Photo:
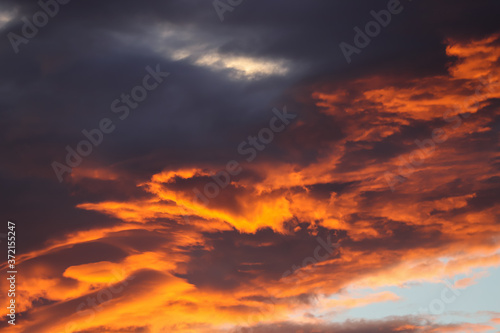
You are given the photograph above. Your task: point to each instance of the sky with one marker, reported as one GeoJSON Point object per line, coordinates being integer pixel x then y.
{"type": "Point", "coordinates": [250, 166]}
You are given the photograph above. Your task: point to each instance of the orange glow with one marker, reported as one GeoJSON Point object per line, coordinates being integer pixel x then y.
{"type": "Point", "coordinates": [160, 238]}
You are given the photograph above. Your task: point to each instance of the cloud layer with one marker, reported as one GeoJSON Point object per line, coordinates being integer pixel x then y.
{"type": "Point", "coordinates": [386, 176]}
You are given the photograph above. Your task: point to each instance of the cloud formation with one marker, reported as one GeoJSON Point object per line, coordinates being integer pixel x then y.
{"type": "Point", "coordinates": [392, 158]}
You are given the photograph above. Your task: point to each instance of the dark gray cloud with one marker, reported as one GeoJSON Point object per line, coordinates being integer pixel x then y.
{"type": "Point", "coordinates": [65, 78]}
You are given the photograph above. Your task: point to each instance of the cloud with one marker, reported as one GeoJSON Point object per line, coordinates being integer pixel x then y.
{"type": "Point", "coordinates": [219, 266]}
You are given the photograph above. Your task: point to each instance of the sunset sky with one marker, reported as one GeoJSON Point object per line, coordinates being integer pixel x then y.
{"type": "Point", "coordinates": [248, 166]}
